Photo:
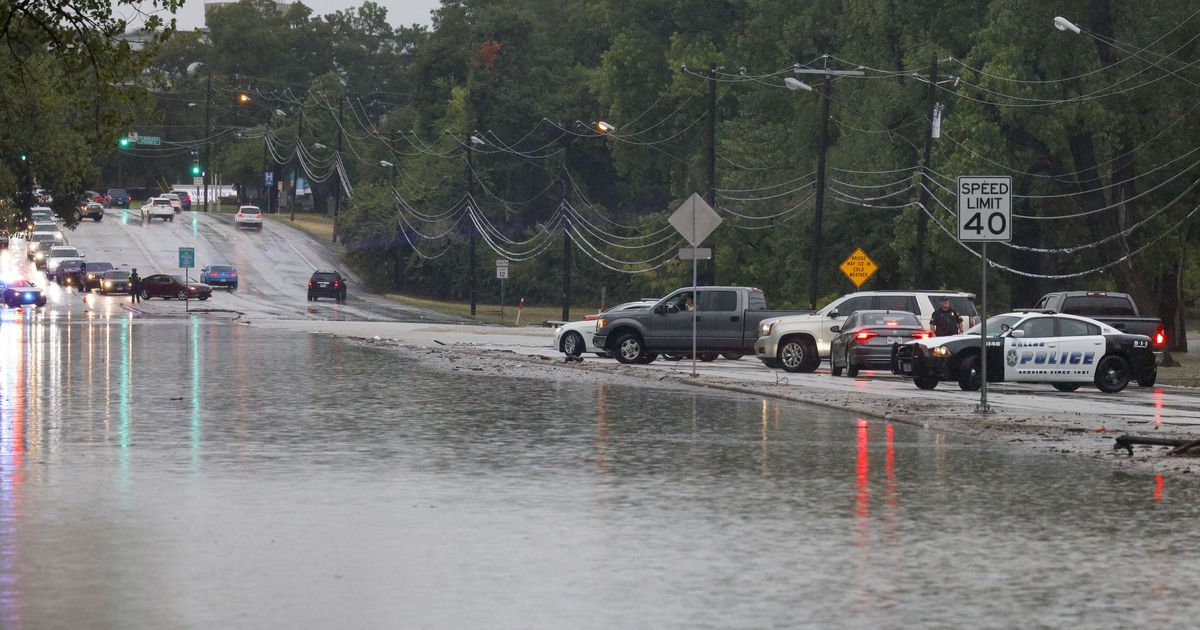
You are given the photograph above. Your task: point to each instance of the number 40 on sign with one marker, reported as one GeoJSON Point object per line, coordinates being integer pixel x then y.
{"type": "Point", "coordinates": [984, 208]}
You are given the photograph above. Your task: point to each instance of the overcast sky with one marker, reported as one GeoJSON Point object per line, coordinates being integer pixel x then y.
{"type": "Point", "coordinates": [400, 12]}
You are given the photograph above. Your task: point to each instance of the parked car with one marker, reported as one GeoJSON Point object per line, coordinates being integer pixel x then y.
{"type": "Point", "coordinates": [58, 254]}
{"type": "Point", "coordinates": [22, 293]}
{"type": "Point", "coordinates": [94, 274]}
{"type": "Point", "coordinates": [117, 198]}
{"type": "Point", "coordinates": [158, 208]}
{"type": "Point", "coordinates": [1115, 309]}
{"type": "Point", "coordinates": [1066, 351]}
{"type": "Point", "coordinates": [91, 195]}
{"type": "Point", "coordinates": [114, 281]}
{"type": "Point", "coordinates": [173, 287]}
{"type": "Point", "coordinates": [727, 321]}
{"type": "Point", "coordinates": [575, 338]}
{"type": "Point", "coordinates": [43, 196]}
{"type": "Point", "coordinates": [798, 343]}
{"type": "Point", "coordinates": [39, 244]}
{"type": "Point", "coordinates": [866, 338]}
{"type": "Point", "coordinates": [220, 276]}
{"type": "Point", "coordinates": [327, 284]}
{"type": "Point", "coordinates": [185, 199]}
{"type": "Point", "coordinates": [91, 210]}
{"type": "Point", "coordinates": [176, 203]}
{"type": "Point", "coordinates": [248, 217]}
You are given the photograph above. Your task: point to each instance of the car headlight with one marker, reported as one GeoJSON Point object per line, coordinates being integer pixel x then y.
{"type": "Point", "coordinates": [108, 284]}
{"type": "Point", "coordinates": [941, 351]}
{"type": "Point", "coordinates": [765, 330]}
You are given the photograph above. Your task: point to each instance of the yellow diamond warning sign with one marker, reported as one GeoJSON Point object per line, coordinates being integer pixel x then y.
{"type": "Point", "coordinates": [858, 267]}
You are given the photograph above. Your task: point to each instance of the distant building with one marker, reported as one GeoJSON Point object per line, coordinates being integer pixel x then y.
{"type": "Point", "coordinates": [137, 39]}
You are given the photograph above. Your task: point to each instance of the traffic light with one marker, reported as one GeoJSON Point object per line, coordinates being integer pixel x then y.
{"type": "Point", "coordinates": [196, 170]}
{"type": "Point", "coordinates": [24, 157]}
{"type": "Point", "coordinates": [123, 142]}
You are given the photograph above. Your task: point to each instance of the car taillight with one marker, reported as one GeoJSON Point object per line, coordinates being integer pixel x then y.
{"type": "Point", "coordinates": [310, 283]}
{"type": "Point", "coordinates": [864, 335]}
{"type": "Point", "coordinates": [258, 216]}
{"type": "Point", "coordinates": [921, 335]}
{"type": "Point", "coordinates": [336, 284]}
{"type": "Point", "coordinates": [1160, 336]}
{"type": "Point", "coordinates": [212, 274]}
{"type": "Point", "coordinates": [240, 215]}
{"type": "Point", "coordinates": [232, 274]}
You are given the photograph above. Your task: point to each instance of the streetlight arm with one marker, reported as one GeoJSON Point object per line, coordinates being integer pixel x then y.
{"type": "Point", "coordinates": [796, 84]}
{"type": "Point", "coordinates": [1063, 24]}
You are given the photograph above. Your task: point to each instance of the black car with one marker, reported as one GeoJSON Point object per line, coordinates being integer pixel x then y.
{"type": "Point", "coordinates": [117, 198]}
{"type": "Point", "coordinates": [114, 281]}
{"type": "Point", "coordinates": [866, 338]}
{"type": "Point", "coordinates": [95, 274]}
{"type": "Point", "coordinates": [70, 273]}
{"type": "Point", "coordinates": [327, 284]}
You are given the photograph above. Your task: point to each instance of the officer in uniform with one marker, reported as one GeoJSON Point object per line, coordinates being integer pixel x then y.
{"type": "Point", "coordinates": [945, 320]}
{"type": "Point", "coordinates": [135, 286]}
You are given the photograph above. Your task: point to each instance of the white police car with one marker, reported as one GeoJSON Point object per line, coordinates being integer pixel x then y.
{"type": "Point", "coordinates": [1032, 347]}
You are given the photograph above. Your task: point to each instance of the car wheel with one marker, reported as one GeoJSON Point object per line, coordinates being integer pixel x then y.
{"type": "Point", "coordinates": [145, 295]}
{"type": "Point", "coordinates": [647, 359]}
{"type": "Point", "coordinates": [572, 344]}
{"type": "Point", "coordinates": [1112, 375]}
{"type": "Point", "coordinates": [182, 295]}
{"type": "Point", "coordinates": [926, 382]}
{"type": "Point", "coordinates": [774, 364]}
{"type": "Point", "coordinates": [203, 297]}
{"type": "Point", "coordinates": [834, 368]}
{"type": "Point", "coordinates": [629, 348]}
{"type": "Point", "coordinates": [1066, 387]}
{"type": "Point", "coordinates": [707, 356]}
{"type": "Point", "coordinates": [796, 355]}
{"type": "Point", "coordinates": [1149, 381]}
{"type": "Point", "coordinates": [851, 369]}
{"type": "Point", "coordinates": [968, 374]}
{"type": "Point", "coordinates": [233, 287]}
{"type": "Point", "coordinates": [731, 356]}
{"type": "Point", "coordinates": [672, 356]}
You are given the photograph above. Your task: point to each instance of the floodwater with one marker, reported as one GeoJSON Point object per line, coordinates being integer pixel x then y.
{"type": "Point", "coordinates": [193, 474]}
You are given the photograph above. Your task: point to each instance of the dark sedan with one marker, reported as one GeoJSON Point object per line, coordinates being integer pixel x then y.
{"type": "Point", "coordinates": [173, 287]}
{"type": "Point", "coordinates": [21, 293]}
{"type": "Point", "coordinates": [114, 281]}
{"type": "Point", "coordinates": [866, 338]}
{"type": "Point", "coordinates": [220, 276]}
{"type": "Point", "coordinates": [94, 274]}
{"type": "Point", "coordinates": [70, 273]}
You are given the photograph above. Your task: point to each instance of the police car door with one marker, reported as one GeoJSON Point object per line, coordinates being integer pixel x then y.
{"type": "Point", "coordinates": [1026, 354]}
{"type": "Point", "coordinates": [1080, 346]}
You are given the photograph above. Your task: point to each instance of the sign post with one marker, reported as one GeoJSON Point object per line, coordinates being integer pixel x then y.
{"type": "Point", "coordinates": [694, 220]}
{"type": "Point", "coordinates": [187, 260]}
{"type": "Point", "coordinates": [984, 215]}
{"type": "Point", "coordinates": [501, 275]}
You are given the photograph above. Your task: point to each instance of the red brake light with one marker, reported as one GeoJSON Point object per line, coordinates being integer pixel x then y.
{"type": "Point", "coordinates": [921, 335]}
{"type": "Point", "coordinates": [212, 274]}
{"type": "Point", "coordinates": [864, 335]}
{"type": "Point", "coordinates": [310, 283]}
{"type": "Point", "coordinates": [240, 215]}
{"type": "Point", "coordinates": [232, 274]}
{"type": "Point", "coordinates": [892, 323]}
{"type": "Point", "coordinates": [336, 283]}
{"type": "Point", "coordinates": [1160, 336]}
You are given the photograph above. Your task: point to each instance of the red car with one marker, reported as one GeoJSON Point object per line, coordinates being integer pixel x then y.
{"type": "Point", "coordinates": [169, 287]}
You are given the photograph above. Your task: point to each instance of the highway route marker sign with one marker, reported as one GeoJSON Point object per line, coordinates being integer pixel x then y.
{"type": "Point", "coordinates": [858, 267]}
{"type": "Point", "coordinates": [187, 257]}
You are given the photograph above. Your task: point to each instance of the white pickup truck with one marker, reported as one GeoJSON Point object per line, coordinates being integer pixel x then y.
{"type": "Point", "coordinates": [158, 208]}
{"type": "Point", "coordinates": [798, 343]}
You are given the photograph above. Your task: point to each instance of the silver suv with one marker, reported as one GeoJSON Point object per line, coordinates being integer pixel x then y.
{"type": "Point", "coordinates": [798, 343]}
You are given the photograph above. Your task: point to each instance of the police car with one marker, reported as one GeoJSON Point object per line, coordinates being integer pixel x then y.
{"type": "Point", "coordinates": [1066, 351]}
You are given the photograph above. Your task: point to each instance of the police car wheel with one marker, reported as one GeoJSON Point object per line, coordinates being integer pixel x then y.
{"type": "Point", "coordinates": [1066, 387]}
{"type": "Point", "coordinates": [968, 374]}
{"type": "Point", "coordinates": [926, 382]}
{"type": "Point", "coordinates": [1112, 375]}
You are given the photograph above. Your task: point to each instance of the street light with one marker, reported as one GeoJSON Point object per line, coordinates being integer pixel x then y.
{"type": "Point", "coordinates": [602, 127]}
{"type": "Point", "coordinates": [1063, 24]}
{"type": "Point", "coordinates": [387, 164]}
{"type": "Point", "coordinates": [797, 84]}
{"type": "Point", "coordinates": [318, 145]}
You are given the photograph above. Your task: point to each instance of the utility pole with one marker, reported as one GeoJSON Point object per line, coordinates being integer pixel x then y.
{"type": "Point", "coordinates": [711, 174]}
{"type": "Point", "coordinates": [926, 181]}
{"type": "Point", "coordinates": [296, 166]}
{"type": "Point", "coordinates": [207, 137]}
{"type": "Point", "coordinates": [819, 208]}
{"type": "Point", "coordinates": [396, 277]}
{"type": "Point", "coordinates": [566, 277]}
{"type": "Point", "coordinates": [337, 193]}
{"type": "Point", "coordinates": [470, 226]}
{"type": "Point", "coordinates": [265, 188]}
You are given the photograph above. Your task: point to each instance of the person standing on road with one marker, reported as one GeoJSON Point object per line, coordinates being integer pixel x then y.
{"type": "Point", "coordinates": [135, 286]}
{"type": "Point", "coordinates": [945, 320]}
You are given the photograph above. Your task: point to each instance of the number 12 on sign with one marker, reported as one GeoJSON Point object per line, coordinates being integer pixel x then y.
{"type": "Point", "coordinates": [984, 208]}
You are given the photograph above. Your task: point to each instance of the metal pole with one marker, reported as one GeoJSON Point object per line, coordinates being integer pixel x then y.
{"type": "Point", "coordinates": [501, 300]}
{"type": "Point", "coordinates": [711, 158]}
{"type": "Point", "coordinates": [337, 198]}
{"type": "Point", "coordinates": [265, 188]}
{"type": "Point", "coordinates": [983, 403]}
{"type": "Point", "coordinates": [470, 231]}
{"type": "Point", "coordinates": [207, 138]}
{"type": "Point", "coordinates": [187, 290]}
{"type": "Point", "coordinates": [922, 218]}
{"type": "Point", "coordinates": [819, 208]}
{"type": "Point", "coordinates": [566, 277]}
{"type": "Point", "coordinates": [296, 167]}
{"type": "Point", "coordinates": [695, 298]}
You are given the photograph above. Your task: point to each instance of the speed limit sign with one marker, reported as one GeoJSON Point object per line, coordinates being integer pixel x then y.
{"type": "Point", "coordinates": [984, 208]}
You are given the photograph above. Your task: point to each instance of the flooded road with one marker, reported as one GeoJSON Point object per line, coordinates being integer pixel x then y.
{"type": "Point", "coordinates": [198, 474]}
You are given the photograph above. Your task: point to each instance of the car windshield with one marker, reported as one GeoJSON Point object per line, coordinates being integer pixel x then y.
{"type": "Point", "coordinates": [20, 284]}
{"type": "Point", "coordinates": [44, 237]}
{"type": "Point", "coordinates": [117, 191]}
{"type": "Point", "coordinates": [997, 325]}
{"type": "Point", "coordinates": [99, 267]}
{"type": "Point", "coordinates": [64, 252]}
{"type": "Point", "coordinates": [221, 268]}
{"type": "Point", "coordinates": [324, 277]}
{"type": "Point", "coordinates": [116, 275]}
{"type": "Point", "coordinates": [888, 320]}
{"type": "Point", "coordinates": [178, 279]}
{"type": "Point", "coordinates": [71, 264]}
{"type": "Point", "coordinates": [249, 210]}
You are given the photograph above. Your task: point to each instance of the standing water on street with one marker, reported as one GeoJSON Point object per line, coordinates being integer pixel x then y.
{"type": "Point", "coordinates": [197, 474]}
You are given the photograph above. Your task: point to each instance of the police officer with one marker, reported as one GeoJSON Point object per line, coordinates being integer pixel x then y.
{"type": "Point", "coordinates": [945, 320]}
{"type": "Point", "coordinates": [135, 286]}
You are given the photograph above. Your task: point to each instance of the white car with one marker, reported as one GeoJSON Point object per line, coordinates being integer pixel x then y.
{"type": "Point", "coordinates": [575, 338]}
{"type": "Point", "coordinates": [158, 208]}
{"type": "Point", "coordinates": [248, 217]}
{"type": "Point", "coordinates": [176, 202]}
{"type": "Point", "coordinates": [57, 255]}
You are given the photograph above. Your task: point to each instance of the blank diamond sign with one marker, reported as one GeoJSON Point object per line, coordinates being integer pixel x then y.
{"type": "Point", "coordinates": [695, 219]}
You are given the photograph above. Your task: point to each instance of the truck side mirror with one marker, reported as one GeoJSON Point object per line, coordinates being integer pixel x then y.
{"type": "Point", "coordinates": [834, 313]}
